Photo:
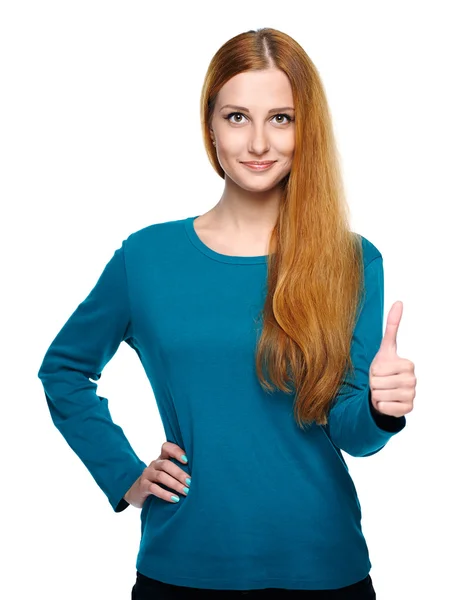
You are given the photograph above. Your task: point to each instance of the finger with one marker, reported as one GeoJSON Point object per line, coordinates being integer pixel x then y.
{"type": "Point", "coordinates": [388, 368]}
{"type": "Point", "coordinates": [176, 483]}
{"type": "Point", "coordinates": [388, 344]}
{"type": "Point", "coordinates": [386, 383]}
{"type": "Point", "coordinates": [393, 409]}
{"type": "Point", "coordinates": [173, 450]}
{"type": "Point", "coordinates": [159, 492]}
{"type": "Point", "coordinates": [400, 395]}
{"type": "Point", "coordinates": [172, 469]}
{"type": "Point", "coordinates": [173, 472]}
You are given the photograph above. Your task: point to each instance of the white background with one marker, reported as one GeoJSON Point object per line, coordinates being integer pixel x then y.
{"type": "Point", "coordinates": [100, 136]}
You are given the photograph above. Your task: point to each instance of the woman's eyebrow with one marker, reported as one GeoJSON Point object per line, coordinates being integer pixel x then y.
{"type": "Point", "coordinates": [272, 110]}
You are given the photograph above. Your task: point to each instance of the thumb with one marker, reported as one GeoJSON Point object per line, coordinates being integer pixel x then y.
{"type": "Point", "coordinates": [389, 345]}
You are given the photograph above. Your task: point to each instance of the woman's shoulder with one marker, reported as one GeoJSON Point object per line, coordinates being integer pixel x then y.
{"type": "Point", "coordinates": [158, 233]}
{"type": "Point", "coordinates": [370, 250]}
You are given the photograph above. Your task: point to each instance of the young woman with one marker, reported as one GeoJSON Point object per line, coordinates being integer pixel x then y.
{"type": "Point", "coordinates": [259, 326]}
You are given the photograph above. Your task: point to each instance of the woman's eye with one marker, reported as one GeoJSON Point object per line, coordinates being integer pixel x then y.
{"type": "Point", "coordinates": [232, 115]}
{"type": "Point", "coordinates": [286, 117]}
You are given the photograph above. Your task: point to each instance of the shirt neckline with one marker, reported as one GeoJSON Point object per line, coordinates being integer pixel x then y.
{"type": "Point", "coordinates": [226, 258]}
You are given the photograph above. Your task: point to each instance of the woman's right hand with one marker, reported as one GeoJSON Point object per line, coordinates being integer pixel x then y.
{"type": "Point", "coordinates": [164, 471]}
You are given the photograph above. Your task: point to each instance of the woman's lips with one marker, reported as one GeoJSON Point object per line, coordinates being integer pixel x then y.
{"type": "Point", "coordinates": [258, 167]}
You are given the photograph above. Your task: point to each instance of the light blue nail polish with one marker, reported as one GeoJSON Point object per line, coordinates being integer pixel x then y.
{"type": "Point", "coordinates": [186, 490]}
{"type": "Point", "coordinates": [184, 458]}
{"type": "Point", "coordinates": [175, 498]}
{"type": "Point", "coordinates": [188, 481]}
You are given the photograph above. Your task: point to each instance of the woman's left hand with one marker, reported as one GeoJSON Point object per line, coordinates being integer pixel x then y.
{"type": "Point", "coordinates": [392, 379]}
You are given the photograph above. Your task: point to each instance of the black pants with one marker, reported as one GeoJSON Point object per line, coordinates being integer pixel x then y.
{"type": "Point", "coordinates": [146, 588]}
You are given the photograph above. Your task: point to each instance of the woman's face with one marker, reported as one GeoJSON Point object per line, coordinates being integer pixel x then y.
{"type": "Point", "coordinates": [258, 126]}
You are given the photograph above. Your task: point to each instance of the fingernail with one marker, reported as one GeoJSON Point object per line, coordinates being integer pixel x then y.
{"type": "Point", "coordinates": [184, 458]}
{"type": "Point", "coordinates": [188, 481]}
{"type": "Point", "coordinates": [175, 498]}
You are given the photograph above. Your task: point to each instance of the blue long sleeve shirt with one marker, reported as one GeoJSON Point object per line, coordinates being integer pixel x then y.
{"type": "Point", "coordinates": [270, 504]}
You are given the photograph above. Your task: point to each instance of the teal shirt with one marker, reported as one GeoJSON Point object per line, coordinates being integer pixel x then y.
{"type": "Point", "coordinates": [270, 505]}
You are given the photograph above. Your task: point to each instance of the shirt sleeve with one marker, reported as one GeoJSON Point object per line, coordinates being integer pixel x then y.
{"type": "Point", "coordinates": [354, 425]}
{"type": "Point", "coordinates": [80, 351]}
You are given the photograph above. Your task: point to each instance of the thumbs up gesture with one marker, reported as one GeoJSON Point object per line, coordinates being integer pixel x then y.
{"type": "Point", "coordinates": [392, 379]}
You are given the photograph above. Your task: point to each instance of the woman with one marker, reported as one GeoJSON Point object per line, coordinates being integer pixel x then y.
{"type": "Point", "coordinates": [259, 326]}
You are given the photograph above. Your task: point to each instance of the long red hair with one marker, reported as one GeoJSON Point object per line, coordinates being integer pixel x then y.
{"type": "Point", "coordinates": [315, 265]}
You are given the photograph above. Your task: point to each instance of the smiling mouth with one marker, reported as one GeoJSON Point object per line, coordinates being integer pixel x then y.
{"type": "Point", "coordinates": [258, 163]}
{"type": "Point", "coordinates": [259, 167]}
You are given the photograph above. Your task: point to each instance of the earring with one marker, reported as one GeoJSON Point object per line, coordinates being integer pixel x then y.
{"type": "Point", "coordinates": [214, 142]}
